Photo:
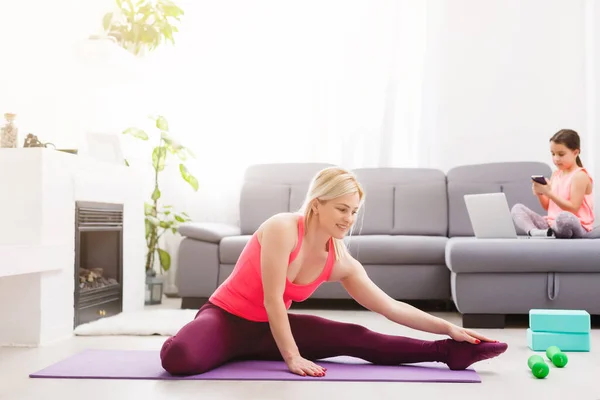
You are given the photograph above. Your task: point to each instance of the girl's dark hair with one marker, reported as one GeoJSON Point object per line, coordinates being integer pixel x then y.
{"type": "Point", "coordinates": [570, 139]}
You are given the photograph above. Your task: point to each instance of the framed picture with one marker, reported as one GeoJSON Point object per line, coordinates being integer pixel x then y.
{"type": "Point", "coordinates": [104, 147]}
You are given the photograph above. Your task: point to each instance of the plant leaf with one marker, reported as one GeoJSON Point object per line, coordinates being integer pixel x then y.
{"type": "Point", "coordinates": [159, 154]}
{"type": "Point", "coordinates": [148, 228]}
{"type": "Point", "coordinates": [165, 259]}
{"type": "Point", "coordinates": [189, 178]}
{"type": "Point", "coordinates": [107, 20]}
{"type": "Point", "coordinates": [156, 193]}
{"type": "Point", "coordinates": [166, 137]}
{"type": "Point", "coordinates": [162, 124]}
{"type": "Point", "coordinates": [148, 209]}
{"type": "Point", "coordinates": [136, 132]}
{"type": "Point", "coordinates": [182, 217]}
{"type": "Point", "coordinates": [182, 153]}
{"type": "Point", "coordinates": [153, 220]}
{"type": "Point", "coordinates": [172, 145]}
{"type": "Point", "coordinates": [143, 25]}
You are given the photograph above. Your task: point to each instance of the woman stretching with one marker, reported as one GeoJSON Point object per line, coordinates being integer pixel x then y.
{"type": "Point", "coordinates": [567, 196]}
{"type": "Point", "coordinates": [286, 259]}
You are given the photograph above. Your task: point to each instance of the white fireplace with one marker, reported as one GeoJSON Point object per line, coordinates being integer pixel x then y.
{"type": "Point", "coordinates": [38, 191]}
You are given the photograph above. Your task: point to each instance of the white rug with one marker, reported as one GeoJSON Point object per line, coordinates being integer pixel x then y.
{"type": "Point", "coordinates": [141, 323]}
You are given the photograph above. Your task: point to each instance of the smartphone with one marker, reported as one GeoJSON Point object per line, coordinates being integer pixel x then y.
{"type": "Point", "coordinates": [539, 179]}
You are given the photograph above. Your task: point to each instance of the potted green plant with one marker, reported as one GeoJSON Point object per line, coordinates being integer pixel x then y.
{"type": "Point", "coordinates": [143, 25]}
{"type": "Point", "coordinates": [159, 218]}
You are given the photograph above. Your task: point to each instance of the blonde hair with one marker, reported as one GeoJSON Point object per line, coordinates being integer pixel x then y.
{"type": "Point", "coordinates": [328, 184]}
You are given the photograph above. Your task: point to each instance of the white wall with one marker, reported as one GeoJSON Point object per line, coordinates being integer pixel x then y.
{"type": "Point", "coordinates": [504, 76]}
{"type": "Point", "coordinates": [592, 153]}
{"type": "Point", "coordinates": [55, 95]}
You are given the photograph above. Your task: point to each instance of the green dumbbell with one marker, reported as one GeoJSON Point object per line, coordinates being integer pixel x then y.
{"type": "Point", "coordinates": [538, 366]}
{"type": "Point", "coordinates": [558, 358]}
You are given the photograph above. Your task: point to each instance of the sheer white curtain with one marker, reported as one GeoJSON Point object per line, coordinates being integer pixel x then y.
{"type": "Point", "coordinates": [270, 81]}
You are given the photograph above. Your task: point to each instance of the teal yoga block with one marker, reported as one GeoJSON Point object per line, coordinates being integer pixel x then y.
{"type": "Point", "coordinates": [540, 341]}
{"type": "Point", "coordinates": [564, 321]}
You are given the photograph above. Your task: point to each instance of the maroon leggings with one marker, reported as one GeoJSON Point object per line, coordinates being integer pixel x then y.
{"type": "Point", "coordinates": [215, 337]}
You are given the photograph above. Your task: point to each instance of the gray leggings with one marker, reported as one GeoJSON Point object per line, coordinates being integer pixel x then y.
{"type": "Point", "coordinates": [566, 225]}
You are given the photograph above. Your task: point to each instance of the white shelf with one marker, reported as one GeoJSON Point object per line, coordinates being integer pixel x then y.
{"type": "Point", "coordinates": [28, 259]}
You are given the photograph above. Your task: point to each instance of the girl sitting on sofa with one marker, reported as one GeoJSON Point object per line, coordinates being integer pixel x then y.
{"type": "Point", "coordinates": [567, 197]}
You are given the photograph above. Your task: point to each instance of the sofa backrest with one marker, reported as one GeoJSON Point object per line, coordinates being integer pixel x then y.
{"type": "Point", "coordinates": [399, 201]}
{"type": "Point", "coordinates": [268, 189]}
{"type": "Point", "coordinates": [512, 178]}
{"type": "Point", "coordinates": [402, 201]}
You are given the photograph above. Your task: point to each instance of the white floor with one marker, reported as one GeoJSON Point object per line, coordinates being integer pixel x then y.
{"type": "Point", "coordinates": [503, 377]}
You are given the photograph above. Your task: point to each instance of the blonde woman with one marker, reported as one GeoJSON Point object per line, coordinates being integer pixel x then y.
{"type": "Point", "coordinates": [286, 259]}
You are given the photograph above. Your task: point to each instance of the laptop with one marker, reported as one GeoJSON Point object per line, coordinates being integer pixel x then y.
{"type": "Point", "coordinates": [490, 216]}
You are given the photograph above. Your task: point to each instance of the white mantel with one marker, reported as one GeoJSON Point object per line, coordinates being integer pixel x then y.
{"type": "Point", "coordinates": [38, 190]}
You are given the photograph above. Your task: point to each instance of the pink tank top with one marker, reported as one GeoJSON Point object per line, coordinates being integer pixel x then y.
{"type": "Point", "coordinates": [561, 186]}
{"type": "Point", "coordinates": [242, 293]}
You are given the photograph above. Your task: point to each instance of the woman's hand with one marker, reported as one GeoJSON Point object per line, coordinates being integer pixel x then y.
{"type": "Point", "coordinates": [301, 366]}
{"type": "Point", "coordinates": [466, 335]}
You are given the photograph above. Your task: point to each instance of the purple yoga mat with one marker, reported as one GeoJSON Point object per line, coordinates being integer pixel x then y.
{"type": "Point", "coordinates": [141, 364]}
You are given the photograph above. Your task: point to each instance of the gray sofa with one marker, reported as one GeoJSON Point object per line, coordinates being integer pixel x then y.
{"type": "Point", "coordinates": [415, 240]}
{"type": "Point", "coordinates": [493, 278]}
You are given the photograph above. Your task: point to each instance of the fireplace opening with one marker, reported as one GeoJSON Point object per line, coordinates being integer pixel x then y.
{"type": "Point", "coordinates": [94, 279]}
{"type": "Point", "coordinates": [98, 261]}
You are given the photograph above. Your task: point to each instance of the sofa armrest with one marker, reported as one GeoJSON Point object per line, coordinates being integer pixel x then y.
{"type": "Point", "coordinates": [208, 231]}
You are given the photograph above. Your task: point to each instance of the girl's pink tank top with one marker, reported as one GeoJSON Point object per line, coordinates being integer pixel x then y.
{"type": "Point", "coordinates": [242, 293]}
{"type": "Point", "coordinates": [561, 186]}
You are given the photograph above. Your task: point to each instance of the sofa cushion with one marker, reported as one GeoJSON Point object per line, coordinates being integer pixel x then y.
{"type": "Point", "coordinates": [403, 201]}
{"type": "Point", "coordinates": [268, 189]}
{"type": "Point", "coordinates": [231, 247]}
{"type": "Point", "coordinates": [298, 195]}
{"type": "Point", "coordinates": [395, 250]}
{"type": "Point", "coordinates": [472, 255]}
{"type": "Point", "coordinates": [459, 221]}
{"type": "Point", "coordinates": [512, 178]}
{"type": "Point", "coordinates": [369, 249]}
{"type": "Point", "coordinates": [377, 213]}
{"type": "Point", "coordinates": [260, 202]}
{"type": "Point", "coordinates": [594, 233]}
{"type": "Point", "coordinates": [421, 208]}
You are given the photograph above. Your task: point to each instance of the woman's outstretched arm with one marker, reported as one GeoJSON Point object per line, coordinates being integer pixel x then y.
{"type": "Point", "coordinates": [370, 296]}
